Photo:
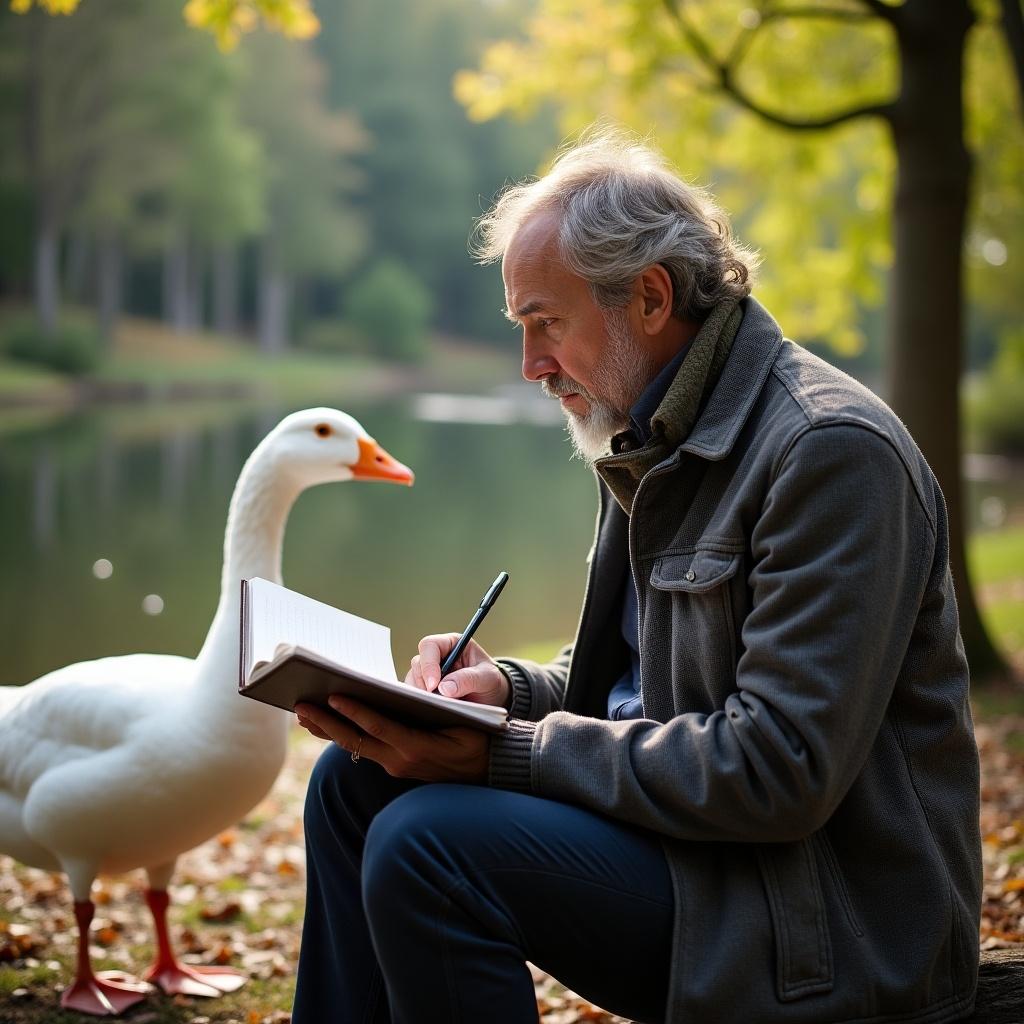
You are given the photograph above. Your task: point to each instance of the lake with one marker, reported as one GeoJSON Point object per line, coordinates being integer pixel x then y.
{"type": "Point", "coordinates": [146, 487]}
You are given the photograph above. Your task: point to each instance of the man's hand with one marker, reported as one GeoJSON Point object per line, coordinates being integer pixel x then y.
{"type": "Point", "coordinates": [475, 677]}
{"type": "Point", "coordinates": [444, 755]}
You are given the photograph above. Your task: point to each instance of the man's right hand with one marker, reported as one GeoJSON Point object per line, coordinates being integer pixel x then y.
{"type": "Point", "coordinates": [475, 676]}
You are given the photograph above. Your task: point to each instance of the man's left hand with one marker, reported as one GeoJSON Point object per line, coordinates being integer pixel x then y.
{"type": "Point", "coordinates": [443, 755]}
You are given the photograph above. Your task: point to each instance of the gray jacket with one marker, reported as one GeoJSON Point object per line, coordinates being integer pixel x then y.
{"type": "Point", "coordinates": [807, 753]}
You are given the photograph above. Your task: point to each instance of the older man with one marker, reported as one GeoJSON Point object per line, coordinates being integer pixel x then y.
{"type": "Point", "coordinates": [749, 791]}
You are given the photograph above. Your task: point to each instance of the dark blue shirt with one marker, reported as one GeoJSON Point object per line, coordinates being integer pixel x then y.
{"type": "Point", "coordinates": [624, 700]}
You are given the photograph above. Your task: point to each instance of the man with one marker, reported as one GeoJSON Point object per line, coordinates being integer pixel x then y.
{"type": "Point", "coordinates": [749, 791]}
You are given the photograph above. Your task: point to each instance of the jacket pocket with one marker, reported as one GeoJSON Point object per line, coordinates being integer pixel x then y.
{"type": "Point", "coordinates": [690, 600]}
{"type": "Point", "coordinates": [836, 872]}
{"type": "Point", "coordinates": [694, 572]}
{"type": "Point", "coordinates": [803, 946]}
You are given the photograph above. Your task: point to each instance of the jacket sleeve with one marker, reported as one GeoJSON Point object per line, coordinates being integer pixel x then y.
{"type": "Point", "coordinates": [841, 553]}
{"type": "Point", "coordinates": [537, 690]}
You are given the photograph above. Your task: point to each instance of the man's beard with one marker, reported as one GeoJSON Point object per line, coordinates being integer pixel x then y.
{"type": "Point", "coordinates": [625, 369]}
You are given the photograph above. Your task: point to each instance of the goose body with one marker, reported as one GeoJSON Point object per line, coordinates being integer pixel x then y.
{"type": "Point", "coordinates": [126, 762]}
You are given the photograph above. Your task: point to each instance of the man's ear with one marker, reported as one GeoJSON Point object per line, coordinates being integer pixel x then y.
{"type": "Point", "coordinates": [656, 296]}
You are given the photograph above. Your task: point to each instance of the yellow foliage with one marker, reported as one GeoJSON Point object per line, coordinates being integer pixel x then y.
{"type": "Point", "coordinates": [226, 19]}
{"type": "Point", "coordinates": [816, 204]}
{"type": "Point", "coordinates": [50, 6]}
{"type": "Point", "coordinates": [229, 19]}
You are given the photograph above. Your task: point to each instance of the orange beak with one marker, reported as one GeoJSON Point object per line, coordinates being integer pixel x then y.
{"type": "Point", "coordinates": [375, 464]}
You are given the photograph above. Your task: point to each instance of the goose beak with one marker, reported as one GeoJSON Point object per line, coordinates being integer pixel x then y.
{"type": "Point", "coordinates": [375, 464]}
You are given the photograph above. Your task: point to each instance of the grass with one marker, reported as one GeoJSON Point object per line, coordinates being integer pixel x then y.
{"type": "Point", "coordinates": [258, 1001]}
{"type": "Point", "coordinates": [996, 560]}
{"type": "Point", "coordinates": [997, 556]}
{"type": "Point", "coordinates": [148, 360]}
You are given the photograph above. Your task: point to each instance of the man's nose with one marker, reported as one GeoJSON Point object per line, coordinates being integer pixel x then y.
{"type": "Point", "coordinates": [538, 363]}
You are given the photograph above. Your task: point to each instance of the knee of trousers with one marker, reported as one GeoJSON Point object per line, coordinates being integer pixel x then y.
{"type": "Point", "coordinates": [333, 776]}
{"type": "Point", "coordinates": [412, 846]}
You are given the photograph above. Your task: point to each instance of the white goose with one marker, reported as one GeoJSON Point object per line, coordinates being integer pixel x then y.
{"type": "Point", "coordinates": [127, 762]}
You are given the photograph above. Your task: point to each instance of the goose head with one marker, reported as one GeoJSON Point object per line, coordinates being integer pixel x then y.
{"type": "Point", "coordinates": [319, 446]}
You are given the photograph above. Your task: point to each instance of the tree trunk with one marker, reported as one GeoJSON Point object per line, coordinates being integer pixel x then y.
{"type": "Point", "coordinates": [926, 304]}
{"type": "Point", "coordinates": [272, 301]}
{"type": "Point", "coordinates": [194, 288]}
{"type": "Point", "coordinates": [46, 275]}
{"type": "Point", "coordinates": [225, 290]}
{"type": "Point", "coordinates": [76, 271]}
{"type": "Point", "coordinates": [109, 283]}
{"type": "Point", "coordinates": [175, 284]}
{"type": "Point", "coordinates": [1000, 988]}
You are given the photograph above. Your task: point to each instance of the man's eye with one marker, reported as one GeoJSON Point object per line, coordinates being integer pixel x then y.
{"type": "Point", "coordinates": [545, 322]}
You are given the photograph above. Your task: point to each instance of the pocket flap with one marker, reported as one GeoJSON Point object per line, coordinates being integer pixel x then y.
{"type": "Point", "coordinates": [694, 571]}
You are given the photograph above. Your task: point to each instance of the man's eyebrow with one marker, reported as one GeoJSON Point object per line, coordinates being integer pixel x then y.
{"type": "Point", "coordinates": [530, 307]}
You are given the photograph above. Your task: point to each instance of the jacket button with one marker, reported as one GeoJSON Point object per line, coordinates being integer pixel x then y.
{"type": "Point", "coordinates": [690, 575]}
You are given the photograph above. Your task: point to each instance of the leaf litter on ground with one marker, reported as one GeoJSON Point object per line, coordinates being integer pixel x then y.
{"type": "Point", "coordinates": [238, 898]}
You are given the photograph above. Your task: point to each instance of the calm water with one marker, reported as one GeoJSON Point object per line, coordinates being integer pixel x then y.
{"type": "Point", "coordinates": [147, 488]}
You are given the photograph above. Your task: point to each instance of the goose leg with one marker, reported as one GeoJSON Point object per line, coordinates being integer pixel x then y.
{"type": "Point", "coordinates": [175, 977]}
{"type": "Point", "coordinates": [107, 993]}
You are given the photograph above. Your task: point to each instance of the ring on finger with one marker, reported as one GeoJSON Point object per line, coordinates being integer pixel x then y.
{"type": "Point", "coordinates": [355, 753]}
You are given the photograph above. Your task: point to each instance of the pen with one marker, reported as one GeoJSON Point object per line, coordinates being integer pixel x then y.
{"type": "Point", "coordinates": [467, 634]}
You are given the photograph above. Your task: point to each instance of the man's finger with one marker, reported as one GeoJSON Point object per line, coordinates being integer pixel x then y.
{"type": "Point", "coordinates": [311, 728]}
{"type": "Point", "coordinates": [385, 732]}
{"type": "Point", "coordinates": [415, 676]}
{"type": "Point", "coordinates": [346, 735]}
{"type": "Point", "coordinates": [461, 682]}
{"type": "Point", "coordinates": [433, 649]}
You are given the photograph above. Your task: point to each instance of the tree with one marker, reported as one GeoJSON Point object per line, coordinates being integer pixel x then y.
{"type": "Point", "coordinates": [823, 101]}
{"type": "Point", "coordinates": [311, 226]}
{"type": "Point", "coordinates": [120, 145]}
{"type": "Point", "coordinates": [429, 170]}
{"type": "Point", "coordinates": [226, 19]}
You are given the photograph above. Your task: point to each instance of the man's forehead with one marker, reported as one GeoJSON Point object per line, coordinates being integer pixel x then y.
{"type": "Point", "coordinates": [532, 267]}
{"type": "Point", "coordinates": [536, 236]}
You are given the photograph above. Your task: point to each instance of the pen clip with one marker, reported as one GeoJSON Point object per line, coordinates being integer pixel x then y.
{"type": "Point", "coordinates": [495, 590]}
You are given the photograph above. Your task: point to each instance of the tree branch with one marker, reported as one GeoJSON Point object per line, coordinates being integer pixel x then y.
{"type": "Point", "coordinates": [1013, 29]}
{"type": "Point", "coordinates": [811, 124]}
{"type": "Point", "coordinates": [830, 13]}
{"type": "Point", "coordinates": [723, 72]}
{"type": "Point", "coordinates": [745, 37]}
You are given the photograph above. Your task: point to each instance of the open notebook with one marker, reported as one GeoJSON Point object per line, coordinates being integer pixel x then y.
{"type": "Point", "coordinates": [296, 649]}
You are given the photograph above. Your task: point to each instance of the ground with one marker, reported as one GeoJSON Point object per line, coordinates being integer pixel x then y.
{"type": "Point", "coordinates": [238, 900]}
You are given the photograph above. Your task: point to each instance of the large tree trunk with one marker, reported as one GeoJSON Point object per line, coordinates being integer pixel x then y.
{"type": "Point", "coordinates": [109, 283]}
{"type": "Point", "coordinates": [272, 301]}
{"type": "Point", "coordinates": [225, 290]}
{"type": "Point", "coordinates": [926, 305]}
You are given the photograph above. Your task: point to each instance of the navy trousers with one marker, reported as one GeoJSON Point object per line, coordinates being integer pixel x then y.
{"type": "Point", "coordinates": [424, 903]}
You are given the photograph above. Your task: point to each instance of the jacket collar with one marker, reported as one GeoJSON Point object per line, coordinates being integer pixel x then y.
{"type": "Point", "coordinates": [754, 349]}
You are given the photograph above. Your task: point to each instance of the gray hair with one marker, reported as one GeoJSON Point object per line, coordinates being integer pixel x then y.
{"type": "Point", "coordinates": [623, 210]}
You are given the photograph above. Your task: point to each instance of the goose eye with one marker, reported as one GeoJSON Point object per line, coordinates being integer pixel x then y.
{"type": "Point", "coordinates": [322, 430]}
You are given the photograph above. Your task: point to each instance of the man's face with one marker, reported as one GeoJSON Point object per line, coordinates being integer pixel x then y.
{"type": "Point", "coordinates": [591, 359]}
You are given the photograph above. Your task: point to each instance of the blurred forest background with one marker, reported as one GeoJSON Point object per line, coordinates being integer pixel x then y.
{"type": "Point", "coordinates": [256, 201]}
{"type": "Point", "coordinates": [215, 212]}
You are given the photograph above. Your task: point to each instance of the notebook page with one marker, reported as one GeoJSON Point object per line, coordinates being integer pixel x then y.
{"type": "Point", "coordinates": [282, 616]}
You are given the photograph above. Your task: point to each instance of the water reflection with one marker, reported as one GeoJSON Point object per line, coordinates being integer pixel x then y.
{"type": "Point", "coordinates": [148, 490]}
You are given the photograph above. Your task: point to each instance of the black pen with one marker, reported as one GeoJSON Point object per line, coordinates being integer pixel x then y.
{"type": "Point", "coordinates": [467, 634]}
